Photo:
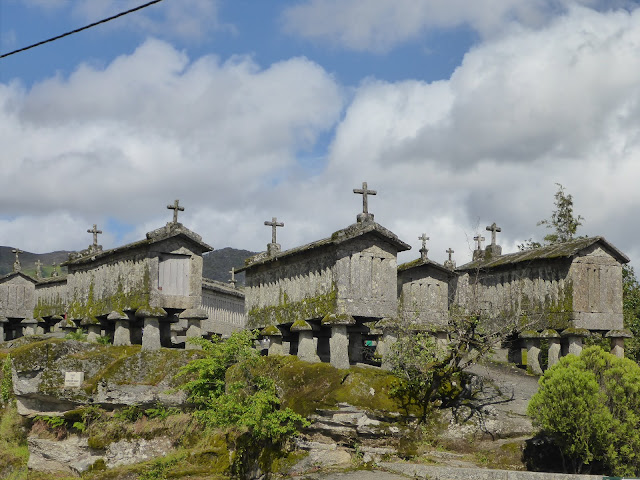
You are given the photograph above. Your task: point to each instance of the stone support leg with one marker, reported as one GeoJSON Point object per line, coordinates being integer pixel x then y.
{"type": "Point", "coordinates": [194, 330]}
{"type": "Point", "coordinates": [93, 332]}
{"type": "Point", "coordinates": [122, 333]}
{"type": "Point", "coordinates": [554, 351]}
{"type": "Point", "coordinates": [151, 334]}
{"type": "Point", "coordinates": [533, 354]}
{"type": "Point", "coordinates": [339, 346]}
{"type": "Point", "coordinates": [307, 347]}
{"type": "Point", "coordinates": [2, 337]}
{"type": "Point", "coordinates": [575, 345]}
{"type": "Point", "coordinates": [617, 346]}
{"type": "Point", "coordinates": [275, 345]}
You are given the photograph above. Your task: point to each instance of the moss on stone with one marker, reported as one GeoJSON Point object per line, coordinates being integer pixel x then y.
{"type": "Point", "coordinates": [288, 312]}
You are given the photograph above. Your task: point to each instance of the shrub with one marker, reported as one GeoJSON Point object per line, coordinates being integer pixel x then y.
{"type": "Point", "coordinates": [590, 407]}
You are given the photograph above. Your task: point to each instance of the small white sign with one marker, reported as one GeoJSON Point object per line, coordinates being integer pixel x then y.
{"type": "Point", "coordinates": [73, 379]}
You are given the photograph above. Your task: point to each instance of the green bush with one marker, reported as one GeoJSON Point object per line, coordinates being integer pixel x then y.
{"type": "Point", "coordinates": [590, 407]}
{"type": "Point", "coordinates": [6, 382]}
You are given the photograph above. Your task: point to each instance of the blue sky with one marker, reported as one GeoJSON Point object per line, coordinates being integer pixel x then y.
{"type": "Point", "coordinates": [459, 114]}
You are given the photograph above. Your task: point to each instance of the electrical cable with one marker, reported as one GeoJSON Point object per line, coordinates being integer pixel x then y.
{"type": "Point", "coordinates": [82, 28]}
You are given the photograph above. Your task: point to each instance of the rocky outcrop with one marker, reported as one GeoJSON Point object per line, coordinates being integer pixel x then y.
{"type": "Point", "coordinates": [113, 376]}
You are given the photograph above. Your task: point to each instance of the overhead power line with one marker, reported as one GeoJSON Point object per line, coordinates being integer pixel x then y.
{"type": "Point", "coordinates": [81, 29]}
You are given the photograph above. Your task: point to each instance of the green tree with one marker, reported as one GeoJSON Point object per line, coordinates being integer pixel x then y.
{"type": "Point", "coordinates": [563, 222]}
{"type": "Point", "coordinates": [590, 407]}
{"type": "Point", "coordinates": [631, 311]}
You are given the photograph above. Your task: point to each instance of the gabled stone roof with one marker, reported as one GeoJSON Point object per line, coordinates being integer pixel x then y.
{"type": "Point", "coordinates": [221, 287]}
{"type": "Point", "coordinates": [163, 233]}
{"type": "Point", "coordinates": [346, 234]}
{"type": "Point", "coordinates": [419, 262]}
{"type": "Point", "coordinates": [558, 250]}
{"type": "Point", "coordinates": [20, 274]}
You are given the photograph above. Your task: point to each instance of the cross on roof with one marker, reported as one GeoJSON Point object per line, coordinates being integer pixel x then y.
{"type": "Point", "coordinates": [176, 208]}
{"type": "Point", "coordinates": [54, 272]}
{"type": "Point", "coordinates": [17, 251]}
{"type": "Point", "coordinates": [38, 268]}
{"type": "Point", "coordinates": [479, 238]}
{"type": "Point", "coordinates": [450, 252]}
{"type": "Point", "coordinates": [233, 276]}
{"type": "Point", "coordinates": [493, 228]}
{"type": "Point", "coordinates": [364, 191]}
{"type": "Point", "coordinates": [95, 232]}
{"type": "Point", "coordinates": [16, 264]}
{"type": "Point", "coordinates": [274, 224]}
{"type": "Point", "coordinates": [424, 239]}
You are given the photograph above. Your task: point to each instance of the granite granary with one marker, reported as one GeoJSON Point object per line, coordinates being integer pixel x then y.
{"type": "Point", "coordinates": [340, 299]}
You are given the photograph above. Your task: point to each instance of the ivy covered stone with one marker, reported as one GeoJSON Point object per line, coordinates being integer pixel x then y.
{"type": "Point", "coordinates": [575, 332]}
{"type": "Point", "coordinates": [529, 334]}
{"type": "Point", "coordinates": [89, 321]}
{"type": "Point", "coordinates": [151, 312]}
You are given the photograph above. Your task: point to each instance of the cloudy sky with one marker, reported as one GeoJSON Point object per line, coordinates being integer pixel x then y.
{"type": "Point", "coordinates": [459, 113]}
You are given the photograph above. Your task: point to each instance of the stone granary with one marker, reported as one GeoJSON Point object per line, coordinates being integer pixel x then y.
{"type": "Point", "coordinates": [315, 300]}
{"type": "Point", "coordinates": [150, 292]}
{"type": "Point", "coordinates": [558, 294]}
{"type": "Point", "coordinates": [318, 300]}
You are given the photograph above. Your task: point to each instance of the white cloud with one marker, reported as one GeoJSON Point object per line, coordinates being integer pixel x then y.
{"type": "Point", "coordinates": [559, 104]}
{"type": "Point", "coordinates": [379, 25]}
{"type": "Point", "coordinates": [153, 126]}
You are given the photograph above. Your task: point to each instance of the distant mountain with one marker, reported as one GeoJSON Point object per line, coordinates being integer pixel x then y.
{"type": "Point", "coordinates": [28, 261]}
{"type": "Point", "coordinates": [217, 264]}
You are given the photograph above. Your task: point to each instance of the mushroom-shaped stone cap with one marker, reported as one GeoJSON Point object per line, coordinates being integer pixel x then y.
{"type": "Point", "coordinates": [57, 318]}
{"type": "Point", "coordinates": [549, 333]}
{"type": "Point", "coordinates": [619, 334]}
{"type": "Point", "coordinates": [338, 319]}
{"type": "Point", "coordinates": [116, 315]}
{"type": "Point", "coordinates": [40, 320]}
{"type": "Point", "coordinates": [575, 332]}
{"type": "Point", "coordinates": [301, 326]}
{"type": "Point", "coordinates": [89, 321]}
{"type": "Point", "coordinates": [68, 323]}
{"type": "Point", "coordinates": [387, 323]}
{"type": "Point", "coordinates": [194, 314]}
{"type": "Point", "coordinates": [528, 334]}
{"type": "Point", "coordinates": [271, 331]}
{"type": "Point", "coordinates": [151, 312]}
{"type": "Point", "coordinates": [28, 321]}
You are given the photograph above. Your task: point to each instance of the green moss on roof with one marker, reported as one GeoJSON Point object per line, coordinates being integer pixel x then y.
{"type": "Point", "coordinates": [558, 250]}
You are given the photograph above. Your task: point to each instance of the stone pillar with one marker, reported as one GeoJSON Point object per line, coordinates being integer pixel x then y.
{"type": "Point", "coordinates": [29, 326]}
{"type": "Point", "coordinates": [617, 341]}
{"type": "Point", "coordinates": [56, 321]}
{"type": "Point", "coordinates": [194, 318]}
{"type": "Point", "coordinates": [575, 336]}
{"type": "Point", "coordinates": [553, 338]}
{"type": "Point", "coordinates": [151, 328]}
{"type": "Point", "coordinates": [122, 333]}
{"type": "Point", "coordinates": [532, 344]}
{"type": "Point", "coordinates": [306, 346]}
{"type": "Point", "coordinates": [92, 324]}
{"type": "Point", "coordinates": [389, 336]}
{"type": "Point", "coordinates": [274, 335]}
{"type": "Point", "coordinates": [339, 340]}
{"type": "Point", "coordinates": [3, 321]}
{"type": "Point", "coordinates": [40, 326]}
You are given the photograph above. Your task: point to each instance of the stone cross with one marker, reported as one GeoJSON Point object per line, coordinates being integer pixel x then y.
{"type": "Point", "coordinates": [450, 252]}
{"type": "Point", "coordinates": [364, 191]}
{"type": "Point", "coordinates": [38, 269]}
{"type": "Point", "coordinates": [274, 224]}
{"type": "Point", "coordinates": [176, 208]}
{"type": "Point", "coordinates": [233, 276]}
{"type": "Point", "coordinates": [493, 228]}
{"type": "Point", "coordinates": [95, 232]}
{"type": "Point", "coordinates": [479, 238]}
{"type": "Point", "coordinates": [424, 250]}
{"type": "Point", "coordinates": [16, 265]}
{"type": "Point", "coordinates": [54, 272]}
